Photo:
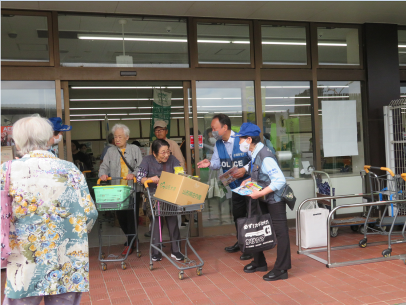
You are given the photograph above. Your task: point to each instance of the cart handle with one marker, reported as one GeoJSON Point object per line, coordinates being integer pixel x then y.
{"type": "Point", "coordinates": [86, 172]}
{"type": "Point", "coordinates": [368, 167]}
{"type": "Point", "coordinates": [403, 176]}
{"type": "Point", "coordinates": [123, 178]}
{"type": "Point", "coordinates": [150, 181]}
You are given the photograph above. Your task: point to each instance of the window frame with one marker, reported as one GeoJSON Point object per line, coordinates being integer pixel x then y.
{"type": "Point", "coordinates": [194, 60]}
{"type": "Point", "coordinates": [51, 61]}
{"type": "Point", "coordinates": [314, 38]}
{"type": "Point", "coordinates": [258, 32]}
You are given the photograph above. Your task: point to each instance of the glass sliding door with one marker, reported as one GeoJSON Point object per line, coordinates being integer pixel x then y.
{"type": "Point", "coordinates": [235, 99]}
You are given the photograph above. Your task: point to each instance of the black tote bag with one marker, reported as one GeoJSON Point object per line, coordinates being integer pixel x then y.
{"type": "Point", "coordinates": [255, 233]}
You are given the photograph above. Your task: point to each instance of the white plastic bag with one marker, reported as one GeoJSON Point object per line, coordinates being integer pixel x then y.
{"type": "Point", "coordinates": [313, 226]}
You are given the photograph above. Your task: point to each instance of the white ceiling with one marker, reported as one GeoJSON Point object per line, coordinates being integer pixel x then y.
{"type": "Point", "coordinates": [312, 11]}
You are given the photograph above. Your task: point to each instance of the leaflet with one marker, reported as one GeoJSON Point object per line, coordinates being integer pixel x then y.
{"type": "Point", "coordinates": [247, 189]}
{"type": "Point", "coordinates": [227, 177]}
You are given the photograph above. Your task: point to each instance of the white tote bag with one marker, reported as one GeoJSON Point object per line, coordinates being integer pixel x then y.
{"type": "Point", "coordinates": [313, 226]}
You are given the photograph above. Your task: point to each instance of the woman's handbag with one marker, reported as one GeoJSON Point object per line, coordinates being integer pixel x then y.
{"type": "Point", "coordinates": [288, 196]}
{"type": "Point", "coordinates": [6, 214]}
{"type": "Point", "coordinates": [255, 233]}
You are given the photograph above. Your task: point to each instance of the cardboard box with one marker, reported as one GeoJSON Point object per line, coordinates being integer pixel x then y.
{"type": "Point", "coordinates": [6, 153]}
{"type": "Point", "coordinates": [181, 190]}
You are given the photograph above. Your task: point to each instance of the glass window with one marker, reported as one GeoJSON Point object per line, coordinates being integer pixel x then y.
{"type": "Point", "coordinates": [97, 41]}
{"type": "Point", "coordinates": [402, 47]}
{"type": "Point", "coordinates": [338, 46]}
{"type": "Point", "coordinates": [24, 38]}
{"type": "Point", "coordinates": [287, 120]}
{"type": "Point", "coordinates": [283, 45]}
{"type": "Point", "coordinates": [20, 99]}
{"type": "Point", "coordinates": [336, 91]}
{"type": "Point", "coordinates": [223, 43]}
{"type": "Point", "coordinates": [235, 99]}
{"type": "Point", "coordinates": [403, 89]}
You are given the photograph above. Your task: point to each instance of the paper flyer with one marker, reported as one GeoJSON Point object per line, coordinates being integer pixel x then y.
{"type": "Point", "coordinates": [227, 177]}
{"type": "Point", "coordinates": [247, 189]}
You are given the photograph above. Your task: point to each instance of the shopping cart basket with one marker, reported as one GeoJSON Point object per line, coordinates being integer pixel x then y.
{"type": "Point", "coordinates": [113, 198]}
{"type": "Point", "coordinates": [161, 208]}
{"type": "Point", "coordinates": [388, 187]}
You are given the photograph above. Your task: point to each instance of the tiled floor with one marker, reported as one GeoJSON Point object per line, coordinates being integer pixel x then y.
{"type": "Point", "coordinates": [224, 282]}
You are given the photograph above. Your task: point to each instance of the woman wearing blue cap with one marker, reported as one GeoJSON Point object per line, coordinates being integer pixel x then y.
{"type": "Point", "coordinates": [265, 172]}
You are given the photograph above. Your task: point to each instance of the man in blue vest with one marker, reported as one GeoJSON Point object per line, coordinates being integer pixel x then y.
{"type": "Point", "coordinates": [226, 155]}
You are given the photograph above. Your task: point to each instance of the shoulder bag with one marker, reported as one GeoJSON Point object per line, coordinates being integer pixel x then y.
{"type": "Point", "coordinates": [125, 161]}
{"type": "Point", "coordinates": [288, 196]}
{"type": "Point", "coordinates": [6, 214]}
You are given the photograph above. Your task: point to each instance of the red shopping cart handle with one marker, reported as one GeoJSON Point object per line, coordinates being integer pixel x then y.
{"type": "Point", "coordinates": [146, 183]}
{"type": "Point", "coordinates": [123, 178]}
{"type": "Point", "coordinates": [368, 167]}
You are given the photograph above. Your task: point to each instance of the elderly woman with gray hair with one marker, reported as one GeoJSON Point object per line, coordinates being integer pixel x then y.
{"type": "Point", "coordinates": [123, 161]}
{"type": "Point", "coordinates": [52, 215]}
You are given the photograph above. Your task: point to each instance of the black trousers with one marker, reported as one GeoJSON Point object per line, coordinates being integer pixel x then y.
{"type": "Point", "coordinates": [280, 225]}
{"type": "Point", "coordinates": [239, 204]}
{"type": "Point", "coordinates": [174, 233]}
{"type": "Point", "coordinates": [127, 221]}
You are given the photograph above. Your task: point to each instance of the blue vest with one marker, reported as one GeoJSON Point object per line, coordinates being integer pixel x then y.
{"type": "Point", "coordinates": [239, 159]}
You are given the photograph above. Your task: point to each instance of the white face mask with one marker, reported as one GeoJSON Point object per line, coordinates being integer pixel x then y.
{"type": "Point", "coordinates": [244, 147]}
{"type": "Point", "coordinates": [58, 139]}
{"type": "Point", "coordinates": [212, 141]}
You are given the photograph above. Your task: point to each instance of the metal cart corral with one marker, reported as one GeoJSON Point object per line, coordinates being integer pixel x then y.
{"type": "Point", "coordinates": [161, 208]}
{"type": "Point", "coordinates": [389, 188]}
{"type": "Point", "coordinates": [356, 223]}
{"type": "Point", "coordinates": [113, 206]}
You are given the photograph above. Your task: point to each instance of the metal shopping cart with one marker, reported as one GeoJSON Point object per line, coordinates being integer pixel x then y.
{"type": "Point", "coordinates": [323, 187]}
{"type": "Point", "coordinates": [388, 187]}
{"type": "Point", "coordinates": [113, 198]}
{"type": "Point", "coordinates": [161, 208]}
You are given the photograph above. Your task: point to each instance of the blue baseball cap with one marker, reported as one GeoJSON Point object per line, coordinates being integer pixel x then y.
{"type": "Point", "coordinates": [57, 124]}
{"type": "Point", "coordinates": [248, 130]}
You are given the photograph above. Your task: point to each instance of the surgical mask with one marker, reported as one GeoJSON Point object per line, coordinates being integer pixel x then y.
{"type": "Point", "coordinates": [244, 147]}
{"type": "Point", "coordinates": [212, 141]}
{"type": "Point", "coordinates": [216, 135]}
{"type": "Point", "coordinates": [58, 139]}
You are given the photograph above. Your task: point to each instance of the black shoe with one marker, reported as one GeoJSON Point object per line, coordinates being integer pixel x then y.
{"type": "Point", "coordinates": [147, 234]}
{"type": "Point", "coordinates": [232, 249]}
{"type": "Point", "coordinates": [275, 275]}
{"type": "Point", "coordinates": [156, 258]}
{"type": "Point", "coordinates": [246, 256]}
{"type": "Point", "coordinates": [178, 256]}
{"type": "Point", "coordinates": [250, 268]}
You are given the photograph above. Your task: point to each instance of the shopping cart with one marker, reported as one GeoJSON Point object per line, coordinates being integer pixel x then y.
{"type": "Point", "coordinates": [112, 198]}
{"type": "Point", "coordinates": [323, 187]}
{"type": "Point", "coordinates": [388, 187]}
{"type": "Point", "coordinates": [161, 208]}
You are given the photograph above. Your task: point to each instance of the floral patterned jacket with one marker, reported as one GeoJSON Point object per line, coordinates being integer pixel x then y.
{"type": "Point", "coordinates": [52, 215]}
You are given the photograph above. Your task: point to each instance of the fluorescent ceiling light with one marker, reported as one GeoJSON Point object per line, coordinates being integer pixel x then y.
{"type": "Point", "coordinates": [103, 114]}
{"type": "Point", "coordinates": [299, 114]}
{"type": "Point", "coordinates": [333, 86]}
{"type": "Point", "coordinates": [102, 108]}
{"type": "Point", "coordinates": [403, 96]}
{"type": "Point", "coordinates": [220, 106]}
{"type": "Point", "coordinates": [140, 113]}
{"type": "Point", "coordinates": [240, 41]}
{"type": "Point", "coordinates": [285, 87]}
{"type": "Point", "coordinates": [292, 105]}
{"type": "Point", "coordinates": [327, 44]}
{"type": "Point", "coordinates": [402, 46]}
{"type": "Point", "coordinates": [275, 111]}
{"type": "Point", "coordinates": [125, 87]}
{"type": "Point", "coordinates": [278, 97]}
{"type": "Point", "coordinates": [136, 119]}
{"type": "Point", "coordinates": [332, 96]}
{"type": "Point", "coordinates": [285, 43]}
{"type": "Point", "coordinates": [213, 41]}
{"type": "Point", "coordinates": [107, 99]}
{"type": "Point", "coordinates": [128, 38]}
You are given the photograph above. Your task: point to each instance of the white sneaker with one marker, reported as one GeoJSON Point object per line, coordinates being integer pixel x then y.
{"type": "Point", "coordinates": [178, 256]}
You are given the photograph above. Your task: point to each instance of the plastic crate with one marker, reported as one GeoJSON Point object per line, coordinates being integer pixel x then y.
{"type": "Point", "coordinates": [112, 197]}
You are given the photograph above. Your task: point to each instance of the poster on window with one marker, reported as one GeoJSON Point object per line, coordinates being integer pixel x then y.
{"type": "Point", "coordinates": [161, 110]}
{"type": "Point", "coordinates": [339, 128]}
{"type": "Point", "coordinates": [7, 136]}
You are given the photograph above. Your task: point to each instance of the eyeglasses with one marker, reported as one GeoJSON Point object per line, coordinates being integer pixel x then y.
{"type": "Point", "coordinates": [168, 152]}
{"type": "Point", "coordinates": [159, 130]}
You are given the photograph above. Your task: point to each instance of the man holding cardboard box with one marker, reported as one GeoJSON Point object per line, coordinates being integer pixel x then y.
{"type": "Point", "coordinates": [227, 154]}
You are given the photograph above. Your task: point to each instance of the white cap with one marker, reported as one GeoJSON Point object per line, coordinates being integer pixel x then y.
{"type": "Point", "coordinates": [160, 123]}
